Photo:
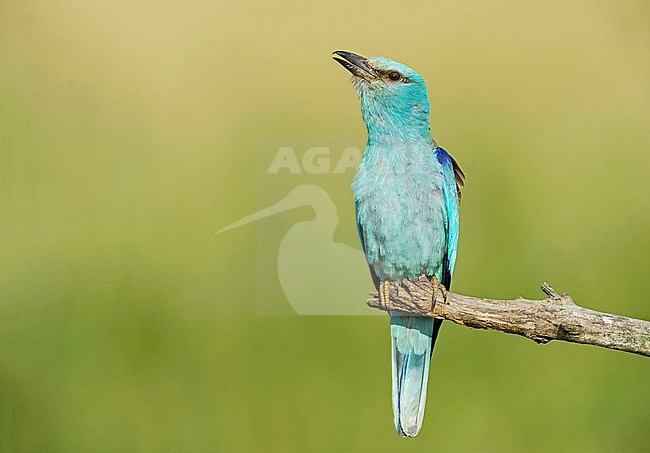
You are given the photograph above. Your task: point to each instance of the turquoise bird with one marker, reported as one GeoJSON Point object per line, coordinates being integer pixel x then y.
{"type": "Point", "coordinates": [407, 195]}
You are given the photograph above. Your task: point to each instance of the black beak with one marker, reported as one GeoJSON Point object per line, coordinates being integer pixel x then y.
{"type": "Point", "coordinates": [356, 64]}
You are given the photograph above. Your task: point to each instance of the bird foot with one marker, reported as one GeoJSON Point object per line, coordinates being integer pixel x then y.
{"type": "Point", "coordinates": [384, 292]}
{"type": "Point", "coordinates": [438, 287]}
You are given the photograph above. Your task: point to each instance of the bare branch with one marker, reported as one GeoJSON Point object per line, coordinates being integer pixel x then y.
{"type": "Point", "coordinates": [553, 318]}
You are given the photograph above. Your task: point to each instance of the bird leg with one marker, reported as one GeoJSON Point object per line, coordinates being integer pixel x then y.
{"type": "Point", "coordinates": [384, 292]}
{"type": "Point", "coordinates": [437, 286]}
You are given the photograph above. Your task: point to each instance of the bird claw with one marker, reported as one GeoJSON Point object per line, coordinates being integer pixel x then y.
{"type": "Point", "coordinates": [437, 286]}
{"type": "Point", "coordinates": [384, 292]}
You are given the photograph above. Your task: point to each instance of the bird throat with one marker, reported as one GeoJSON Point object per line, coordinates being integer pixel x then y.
{"type": "Point", "coordinates": [396, 119]}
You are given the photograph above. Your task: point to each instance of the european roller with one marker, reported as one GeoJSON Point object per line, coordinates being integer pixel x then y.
{"type": "Point", "coordinates": [407, 194]}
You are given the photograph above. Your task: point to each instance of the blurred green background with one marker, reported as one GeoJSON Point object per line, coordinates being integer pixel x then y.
{"type": "Point", "coordinates": [129, 134]}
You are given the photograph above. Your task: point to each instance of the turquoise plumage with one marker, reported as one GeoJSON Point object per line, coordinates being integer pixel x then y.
{"type": "Point", "coordinates": [406, 197]}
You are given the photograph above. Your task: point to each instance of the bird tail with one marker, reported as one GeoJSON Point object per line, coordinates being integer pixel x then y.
{"type": "Point", "coordinates": [413, 338]}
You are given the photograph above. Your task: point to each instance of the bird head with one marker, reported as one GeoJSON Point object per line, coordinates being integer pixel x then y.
{"type": "Point", "coordinates": [393, 96]}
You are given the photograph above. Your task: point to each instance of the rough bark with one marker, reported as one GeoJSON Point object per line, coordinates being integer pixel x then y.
{"type": "Point", "coordinates": [555, 318]}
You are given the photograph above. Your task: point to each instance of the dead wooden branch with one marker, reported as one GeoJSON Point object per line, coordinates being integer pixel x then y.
{"type": "Point", "coordinates": [553, 318]}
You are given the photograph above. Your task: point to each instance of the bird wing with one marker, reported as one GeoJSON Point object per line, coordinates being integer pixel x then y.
{"type": "Point", "coordinates": [459, 177]}
{"type": "Point", "coordinates": [453, 180]}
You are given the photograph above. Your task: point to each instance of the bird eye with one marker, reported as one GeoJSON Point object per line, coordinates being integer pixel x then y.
{"type": "Point", "coordinates": [394, 76]}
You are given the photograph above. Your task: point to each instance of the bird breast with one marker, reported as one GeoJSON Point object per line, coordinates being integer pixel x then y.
{"type": "Point", "coordinates": [401, 213]}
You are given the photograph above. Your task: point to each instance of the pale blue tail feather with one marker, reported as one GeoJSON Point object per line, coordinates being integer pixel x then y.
{"type": "Point", "coordinates": [412, 340]}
